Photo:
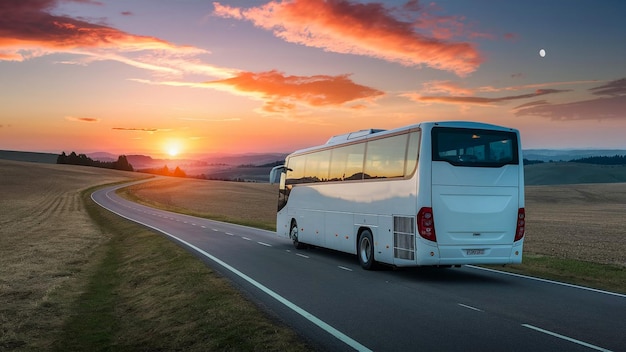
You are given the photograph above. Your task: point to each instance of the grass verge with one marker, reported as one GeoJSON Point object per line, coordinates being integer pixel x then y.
{"type": "Point", "coordinates": [145, 293]}
{"type": "Point", "coordinates": [601, 276]}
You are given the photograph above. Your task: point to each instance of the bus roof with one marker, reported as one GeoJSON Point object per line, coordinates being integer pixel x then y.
{"type": "Point", "coordinates": [360, 135]}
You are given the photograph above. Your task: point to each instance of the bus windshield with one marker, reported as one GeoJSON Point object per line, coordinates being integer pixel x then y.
{"type": "Point", "coordinates": [474, 147]}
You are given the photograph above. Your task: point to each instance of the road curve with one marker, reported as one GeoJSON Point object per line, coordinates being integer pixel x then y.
{"type": "Point", "coordinates": [334, 304]}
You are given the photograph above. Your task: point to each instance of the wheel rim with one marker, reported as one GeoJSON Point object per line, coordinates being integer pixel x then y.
{"type": "Point", "coordinates": [294, 234]}
{"type": "Point", "coordinates": [366, 249]}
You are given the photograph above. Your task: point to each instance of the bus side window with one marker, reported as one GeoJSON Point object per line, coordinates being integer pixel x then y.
{"type": "Point", "coordinates": [295, 173]}
{"type": "Point", "coordinates": [347, 163]}
{"type": "Point", "coordinates": [385, 157]}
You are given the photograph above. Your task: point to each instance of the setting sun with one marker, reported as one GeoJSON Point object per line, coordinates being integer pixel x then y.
{"type": "Point", "coordinates": [172, 151]}
{"type": "Point", "coordinates": [173, 148]}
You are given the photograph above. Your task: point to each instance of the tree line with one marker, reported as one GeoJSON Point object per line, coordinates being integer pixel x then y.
{"type": "Point", "coordinates": [82, 159]}
{"type": "Point", "coordinates": [597, 160]}
{"type": "Point", "coordinates": [165, 171]}
{"type": "Point", "coordinates": [602, 160]}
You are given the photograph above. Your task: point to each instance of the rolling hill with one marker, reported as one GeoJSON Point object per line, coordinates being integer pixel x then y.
{"type": "Point", "coordinates": [230, 167]}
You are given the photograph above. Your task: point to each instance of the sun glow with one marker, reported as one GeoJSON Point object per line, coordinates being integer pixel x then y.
{"type": "Point", "coordinates": [173, 148]}
{"type": "Point", "coordinates": [172, 151]}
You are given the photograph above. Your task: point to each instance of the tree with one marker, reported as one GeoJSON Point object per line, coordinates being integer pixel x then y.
{"type": "Point", "coordinates": [178, 172]}
{"type": "Point", "coordinates": [123, 164]}
{"type": "Point", "coordinates": [62, 159]}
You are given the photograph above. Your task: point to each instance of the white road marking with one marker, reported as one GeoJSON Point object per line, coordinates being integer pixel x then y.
{"type": "Point", "coordinates": [344, 268]}
{"type": "Point", "coordinates": [264, 244]}
{"type": "Point", "coordinates": [305, 314]}
{"type": "Point", "coordinates": [469, 307]}
{"type": "Point", "coordinates": [566, 338]}
{"type": "Point", "coordinates": [229, 234]}
{"type": "Point", "coordinates": [216, 230]}
{"type": "Point", "coordinates": [302, 255]}
{"type": "Point", "coordinates": [549, 281]}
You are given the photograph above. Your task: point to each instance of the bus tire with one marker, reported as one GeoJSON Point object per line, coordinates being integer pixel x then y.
{"type": "Point", "coordinates": [293, 234]}
{"type": "Point", "coordinates": [365, 250]}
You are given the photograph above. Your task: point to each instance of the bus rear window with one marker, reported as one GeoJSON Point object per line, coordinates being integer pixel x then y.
{"type": "Point", "coordinates": [474, 147]}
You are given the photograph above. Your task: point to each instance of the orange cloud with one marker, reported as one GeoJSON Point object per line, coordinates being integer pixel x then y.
{"type": "Point", "coordinates": [282, 93]}
{"type": "Point", "coordinates": [366, 29]}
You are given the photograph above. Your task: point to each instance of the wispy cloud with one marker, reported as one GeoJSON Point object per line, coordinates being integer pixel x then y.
{"type": "Point", "coordinates": [148, 130]}
{"type": "Point", "coordinates": [450, 92]}
{"type": "Point", "coordinates": [209, 120]}
{"type": "Point", "coordinates": [411, 35]}
{"type": "Point", "coordinates": [613, 88]}
{"type": "Point", "coordinates": [610, 105]}
{"type": "Point", "coordinates": [483, 101]}
{"type": "Point", "coordinates": [82, 119]}
{"type": "Point", "coordinates": [283, 93]}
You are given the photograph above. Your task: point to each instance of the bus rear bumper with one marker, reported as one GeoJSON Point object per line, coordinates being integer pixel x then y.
{"type": "Point", "coordinates": [485, 254]}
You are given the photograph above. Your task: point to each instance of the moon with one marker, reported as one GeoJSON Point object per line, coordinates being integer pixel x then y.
{"type": "Point", "coordinates": [542, 52]}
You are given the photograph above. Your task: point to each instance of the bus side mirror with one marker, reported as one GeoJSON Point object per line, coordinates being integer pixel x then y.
{"type": "Point", "coordinates": [276, 172]}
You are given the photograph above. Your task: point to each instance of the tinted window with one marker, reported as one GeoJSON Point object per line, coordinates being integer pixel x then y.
{"type": "Point", "coordinates": [474, 147]}
{"type": "Point", "coordinates": [295, 169]}
{"type": "Point", "coordinates": [347, 163]}
{"type": "Point", "coordinates": [316, 166]}
{"type": "Point", "coordinates": [385, 157]}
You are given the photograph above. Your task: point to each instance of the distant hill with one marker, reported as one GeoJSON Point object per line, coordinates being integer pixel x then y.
{"type": "Point", "coordinates": [220, 166]}
{"type": "Point", "coordinates": [33, 157]}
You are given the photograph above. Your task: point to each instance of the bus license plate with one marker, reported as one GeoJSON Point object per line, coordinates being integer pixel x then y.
{"type": "Point", "coordinates": [475, 251]}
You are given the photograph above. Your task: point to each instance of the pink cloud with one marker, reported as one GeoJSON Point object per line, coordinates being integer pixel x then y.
{"type": "Point", "coordinates": [283, 93]}
{"type": "Point", "coordinates": [369, 29]}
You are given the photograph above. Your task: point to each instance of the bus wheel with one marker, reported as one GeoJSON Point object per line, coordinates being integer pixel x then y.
{"type": "Point", "coordinates": [293, 234]}
{"type": "Point", "coordinates": [365, 250]}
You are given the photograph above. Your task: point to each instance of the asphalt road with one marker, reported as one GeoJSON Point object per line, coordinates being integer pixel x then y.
{"type": "Point", "coordinates": [337, 306]}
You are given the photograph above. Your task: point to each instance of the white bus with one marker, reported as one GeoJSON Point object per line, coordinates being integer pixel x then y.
{"type": "Point", "coordinates": [434, 193]}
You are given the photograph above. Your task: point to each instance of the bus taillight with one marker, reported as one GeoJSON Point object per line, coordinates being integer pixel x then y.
{"type": "Point", "coordinates": [521, 224]}
{"type": "Point", "coordinates": [426, 224]}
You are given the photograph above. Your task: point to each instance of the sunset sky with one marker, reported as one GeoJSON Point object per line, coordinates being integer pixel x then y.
{"type": "Point", "coordinates": [191, 76]}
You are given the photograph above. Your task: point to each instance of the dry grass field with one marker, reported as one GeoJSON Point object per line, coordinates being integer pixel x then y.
{"type": "Point", "coordinates": [75, 277]}
{"type": "Point", "coordinates": [582, 222]}
{"type": "Point", "coordinates": [46, 238]}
